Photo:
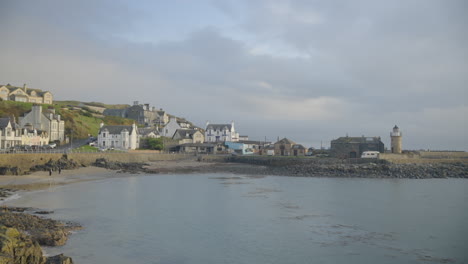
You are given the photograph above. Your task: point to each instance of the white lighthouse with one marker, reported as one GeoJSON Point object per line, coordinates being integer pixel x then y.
{"type": "Point", "coordinates": [396, 142]}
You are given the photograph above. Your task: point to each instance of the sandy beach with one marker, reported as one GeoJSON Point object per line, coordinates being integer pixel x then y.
{"type": "Point", "coordinates": [42, 180]}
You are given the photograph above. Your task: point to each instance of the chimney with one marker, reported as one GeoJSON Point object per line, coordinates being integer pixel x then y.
{"type": "Point", "coordinates": [58, 117]}
{"type": "Point", "coordinates": [147, 108]}
{"type": "Point", "coordinates": [101, 125]}
{"type": "Point", "coordinates": [24, 88]}
{"type": "Point", "coordinates": [207, 123]}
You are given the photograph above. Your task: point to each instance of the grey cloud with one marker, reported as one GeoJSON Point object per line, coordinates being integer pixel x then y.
{"type": "Point", "coordinates": [373, 73]}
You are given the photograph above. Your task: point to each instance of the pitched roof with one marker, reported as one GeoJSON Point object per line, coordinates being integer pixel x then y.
{"type": "Point", "coordinates": [4, 122]}
{"type": "Point", "coordinates": [219, 126]}
{"type": "Point", "coordinates": [356, 140]}
{"type": "Point", "coordinates": [298, 146]}
{"type": "Point", "coordinates": [147, 130]}
{"type": "Point", "coordinates": [116, 129]}
{"type": "Point", "coordinates": [185, 133]}
{"type": "Point", "coordinates": [286, 141]}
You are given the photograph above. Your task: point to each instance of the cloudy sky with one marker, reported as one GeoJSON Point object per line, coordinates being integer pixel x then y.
{"type": "Point", "coordinates": [308, 70]}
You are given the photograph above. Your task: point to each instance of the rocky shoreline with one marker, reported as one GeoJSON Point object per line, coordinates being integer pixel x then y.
{"type": "Point", "coordinates": [22, 234]}
{"type": "Point", "coordinates": [304, 168]}
{"type": "Point", "coordinates": [23, 230]}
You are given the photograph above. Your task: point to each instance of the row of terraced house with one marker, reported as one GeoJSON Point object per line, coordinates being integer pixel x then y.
{"type": "Point", "coordinates": [186, 137]}
{"type": "Point", "coordinates": [36, 128]}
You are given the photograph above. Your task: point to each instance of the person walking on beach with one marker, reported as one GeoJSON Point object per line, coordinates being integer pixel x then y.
{"type": "Point", "coordinates": [60, 170]}
{"type": "Point", "coordinates": [50, 172]}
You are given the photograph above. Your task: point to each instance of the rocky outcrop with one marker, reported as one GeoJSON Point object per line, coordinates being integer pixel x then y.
{"type": "Point", "coordinates": [46, 232]}
{"type": "Point", "coordinates": [63, 163]}
{"type": "Point", "coordinates": [18, 248]}
{"type": "Point", "coordinates": [22, 234]}
{"type": "Point", "coordinates": [130, 167]}
{"type": "Point", "coordinates": [59, 259]}
{"type": "Point", "coordinates": [9, 170]}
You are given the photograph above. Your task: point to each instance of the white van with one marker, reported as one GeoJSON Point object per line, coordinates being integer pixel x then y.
{"type": "Point", "coordinates": [370, 155]}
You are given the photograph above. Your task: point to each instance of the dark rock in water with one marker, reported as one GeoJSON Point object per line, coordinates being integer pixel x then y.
{"type": "Point", "coordinates": [59, 259]}
{"type": "Point", "coordinates": [46, 232]}
{"type": "Point", "coordinates": [44, 212]}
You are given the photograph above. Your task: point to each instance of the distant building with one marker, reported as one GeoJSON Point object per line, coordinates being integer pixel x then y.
{"type": "Point", "coordinates": [162, 118]}
{"type": "Point", "coordinates": [396, 141]}
{"type": "Point", "coordinates": [118, 137]}
{"type": "Point", "coordinates": [47, 121]}
{"type": "Point", "coordinates": [25, 94]}
{"type": "Point", "coordinates": [141, 113]}
{"type": "Point", "coordinates": [287, 147]}
{"type": "Point", "coordinates": [353, 147]}
{"type": "Point", "coordinates": [188, 136]}
{"type": "Point", "coordinates": [221, 132]}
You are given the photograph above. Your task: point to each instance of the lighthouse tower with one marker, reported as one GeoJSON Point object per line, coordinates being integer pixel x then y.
{"type": "Point", "coordinates": [395, 136]}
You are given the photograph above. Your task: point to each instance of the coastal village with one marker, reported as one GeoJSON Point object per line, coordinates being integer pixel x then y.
{"type": "Point", "coordinates": [44, 129]}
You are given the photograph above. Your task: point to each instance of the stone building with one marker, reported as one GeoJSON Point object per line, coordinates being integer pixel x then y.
{"type": "Point", "coordinates": [287, 147]}
{"type": "Point", "coordinates": [188, 136]}
{"type": "Point", "coordinates": [353, 147]}
{"type": "Point", "coordinates": [141, 113]}
{"type": "Point", "coordinates": [47, 121]}
{"type": "Point", "coordinates": [25, 94]}
{"type": "Point", "coordinates": [118, 137]}
{"type": "Point", "coordinates": [396, 141]}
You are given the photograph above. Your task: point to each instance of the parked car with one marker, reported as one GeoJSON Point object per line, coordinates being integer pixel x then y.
{"type": "Point", "coordinates": [52, 145]}
{"type": "Point", "coordinates": [370, 155]}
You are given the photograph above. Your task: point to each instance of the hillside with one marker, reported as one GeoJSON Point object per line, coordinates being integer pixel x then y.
{"type": "Point", "coordinates": [81, 119]}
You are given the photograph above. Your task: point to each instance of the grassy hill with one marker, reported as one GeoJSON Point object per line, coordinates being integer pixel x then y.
{"type": "Point", "coordinates": [80, 119]}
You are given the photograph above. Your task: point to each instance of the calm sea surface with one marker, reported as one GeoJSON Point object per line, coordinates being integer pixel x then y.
{"type": "Point", "coordinates": [176, 219]}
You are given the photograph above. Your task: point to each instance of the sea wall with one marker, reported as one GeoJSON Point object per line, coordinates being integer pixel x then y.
{"type": "Point", "coordinates": [425, 157]}
{"type": "Point", "coordinates": [26, 161]}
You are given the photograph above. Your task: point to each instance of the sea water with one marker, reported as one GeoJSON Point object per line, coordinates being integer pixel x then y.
{"type": "Point", "coordinates": [225, 218]}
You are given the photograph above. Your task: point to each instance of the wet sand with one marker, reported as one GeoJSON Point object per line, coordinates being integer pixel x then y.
{"type": "Point", "coordinates": [42, 180]}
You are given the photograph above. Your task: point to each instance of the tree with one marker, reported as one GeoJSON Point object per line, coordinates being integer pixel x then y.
{"type": "Point", "coordinates": [155, 143]}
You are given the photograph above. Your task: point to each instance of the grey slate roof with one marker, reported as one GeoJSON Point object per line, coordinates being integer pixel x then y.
{"type": "Point", "coordinates": [356, 140]}
{"type": "Point", "coordinates": [286, 141]}
{"type": "Point", "coordinates": [116, 129]}
{"type": "Point", "coordinates": [298, 146]}
{"type": "Point", "coordinates": [219, 127]}
{"type": "Point", "coordinates": [184, 133]}
{"type": "Point", "coordinates": [147, 130]}
{"type": "Point", "coordinates": [4, 122]}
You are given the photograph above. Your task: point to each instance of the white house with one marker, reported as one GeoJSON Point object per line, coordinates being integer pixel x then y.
{"type": "Point", "coordinates": [221, 132]}
{"type": "Point", "coordinates": [47, 121]}
{"type": "Point", "coordinates": [118, 137]}
{"type": "Point", "coordinates": [10, 133]}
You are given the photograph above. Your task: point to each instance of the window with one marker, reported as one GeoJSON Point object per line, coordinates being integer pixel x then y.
{"type": "Point", "coordinates": [104, 134]}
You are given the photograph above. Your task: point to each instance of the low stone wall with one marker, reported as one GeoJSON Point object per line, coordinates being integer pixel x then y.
{"type": "Point", "coordinates": [25, 161]}
{"type": "Point", "coordinates": [425, 157]}
{"type": "Point", "coordinates": [89, 158]}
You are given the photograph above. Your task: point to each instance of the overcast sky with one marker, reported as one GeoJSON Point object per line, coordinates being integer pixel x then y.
{"type": "Point", "coordinates": [308, 70]}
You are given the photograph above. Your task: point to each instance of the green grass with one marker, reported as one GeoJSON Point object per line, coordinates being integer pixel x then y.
{"type": "Point", "coordinates": [80, 123]}
{"type": "Point", "coordinates": [86, 148]}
